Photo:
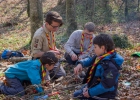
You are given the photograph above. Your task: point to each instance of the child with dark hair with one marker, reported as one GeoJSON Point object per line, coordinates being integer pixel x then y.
{"type": "Point", "coordinates": [32, 70]}
{"type": "Point", "coordinates": [101, 80]}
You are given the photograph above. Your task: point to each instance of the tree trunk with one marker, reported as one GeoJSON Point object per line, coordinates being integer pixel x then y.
{"type": "Point", "coordinates": [107, 12]}
{"type": "Point", "coordinates": [60, 2]}
{"type": "Point", "coordinates": [28, 8]}
{"type": "Point", "coordinates": [36, 15]}
{"type": "Point", "coordinates": [126, 10]}
{"type": "Point", "coordinates": [89, 9]}
{"type": "Point", "coordinates": [70, 16]}
{"type": "Point", "coordinates": [138, 5]}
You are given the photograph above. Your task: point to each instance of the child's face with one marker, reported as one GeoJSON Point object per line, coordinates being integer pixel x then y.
{"type": "Point", "coordinates": [99, 50]}
{"type": "Point", "coordinates": [49, 67]}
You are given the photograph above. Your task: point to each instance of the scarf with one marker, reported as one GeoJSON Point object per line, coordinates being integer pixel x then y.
{"type": "Point", "coordinates": [51, 47]}
{"type": "Point", "coordinates": [96, 62]}
{"type": "Point", "coordinates": [43, 71]}
{"type": "Point", "coordinates": [82, 43]}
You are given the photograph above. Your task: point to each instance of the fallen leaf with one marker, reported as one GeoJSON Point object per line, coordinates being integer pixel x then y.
{"type": "Point", "coordinates": [138, 67]}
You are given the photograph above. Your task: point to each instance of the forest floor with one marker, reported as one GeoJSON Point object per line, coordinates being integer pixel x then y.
{"type": "Point", "coordinates": [15, 35]}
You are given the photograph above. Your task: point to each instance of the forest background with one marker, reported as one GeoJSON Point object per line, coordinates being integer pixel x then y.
{"type": "Point", "coordinates": [19, 19]}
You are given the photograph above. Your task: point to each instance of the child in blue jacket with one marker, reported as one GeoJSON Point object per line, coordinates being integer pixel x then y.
{"type": "Point", "coordinates": [101, 79]}
{"type": "Point", "coordinates": [32, 70]}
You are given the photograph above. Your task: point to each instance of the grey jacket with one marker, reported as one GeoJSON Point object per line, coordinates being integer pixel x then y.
{"type": "Point", "coordinates": [73, 44]}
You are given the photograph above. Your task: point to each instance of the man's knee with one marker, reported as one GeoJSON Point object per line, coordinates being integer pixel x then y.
{"type": "Point", "coordinates": [67, 56]}
{"type": "Point", "coordinates": [69, 60]}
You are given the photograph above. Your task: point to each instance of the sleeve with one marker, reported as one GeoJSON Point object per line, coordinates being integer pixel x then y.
{"type": "Point", "coordinates": [35, 78]}
{"type": "Point", "coordinates": [69, 44]}
{"type": "Point", "coordinates": [36, 44]}
{"type": "Point", "coordinates": [99, 89]}
{"type": "Point", "coordinates": [86, 62]}
{"type": "Point", "coordinates": [108, 80]}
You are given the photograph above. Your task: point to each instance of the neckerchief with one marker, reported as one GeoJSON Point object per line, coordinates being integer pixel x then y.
{"type": "Point", "coordinates": [82, 43]}
{"type": "Point", "coordinates": [43, 71]}
{"type": "Point", "coordinates": [96, 62]}
{"type": "Point", "coordinates": [51, 47]}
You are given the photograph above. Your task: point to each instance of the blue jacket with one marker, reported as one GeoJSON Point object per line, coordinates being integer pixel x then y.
{"type": "Point", "coordinates": [27, 70]}
{"type": "Point", "coordinates": [108, 76]}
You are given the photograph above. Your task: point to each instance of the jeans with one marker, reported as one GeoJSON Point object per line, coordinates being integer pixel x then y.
{"type": "Point", "coordinates": [13, 87]}
{"type": "Point", "coordinates": [79, 94]}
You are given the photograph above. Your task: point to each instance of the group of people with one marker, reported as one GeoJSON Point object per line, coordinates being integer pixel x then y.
{"type": "Point", "coordinates": [101, 79]}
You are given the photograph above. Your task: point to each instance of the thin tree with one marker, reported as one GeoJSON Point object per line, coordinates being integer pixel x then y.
{"type": "Point", "coordinates": [70, 16]}
{"type": "Point", "coordinates": [138, 5]}
{"type": "Point", "coordinates": [90, 9]}
{"type": "Point", "coordinates": [126, 10]}
{"type": "Point", "coordinates": [36, 15]}
{"type": "Point", "coordinates": [107, 11]}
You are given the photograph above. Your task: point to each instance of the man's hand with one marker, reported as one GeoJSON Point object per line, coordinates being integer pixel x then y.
{"type": "Point", "coordinates": [74, 57]}
{"type": "Point", "coordinates": [78, 69]}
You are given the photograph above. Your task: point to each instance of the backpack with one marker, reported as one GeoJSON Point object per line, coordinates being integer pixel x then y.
{"type": "Point", "coordinates": [6, 54]}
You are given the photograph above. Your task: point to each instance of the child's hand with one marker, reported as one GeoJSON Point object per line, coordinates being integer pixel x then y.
{"type": "Point", "coordinates": [86, 94]}
{"type": "Point", "coordinates": [78, 69]}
